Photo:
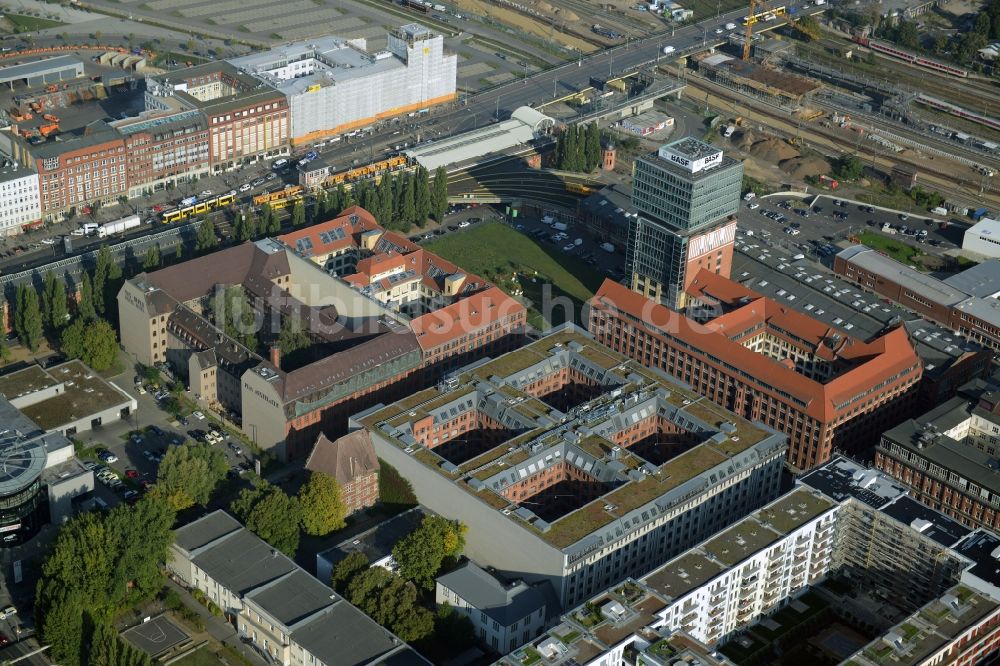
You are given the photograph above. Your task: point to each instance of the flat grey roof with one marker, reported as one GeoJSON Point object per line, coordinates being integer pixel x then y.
{"type": "Point", "coordinates": [987, 309]}
{"type": "Point", "coordinates": [293, 598]}
{"type": "Point", "coordinates": [241, 561]}
{"type": "Point", "coordinates": [39, 67]}
{"type": "Point", "coordinates": [841, 478]}
{"type": "Point", "coordinates": [909, 278]}
{"type": "Point", "coordinates": [981, 280]}
{"type": "Point", "coordinates": [932, 524]}
{"type": "Point", "coordinates": [205, 530]}
{"type": "Point", "coordinates": [378, 541]}
{"type": "Point", "coordinates": [348, 633]}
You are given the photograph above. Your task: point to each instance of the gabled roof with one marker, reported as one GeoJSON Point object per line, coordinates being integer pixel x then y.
{"type": "Point", "coordinates": [342, 231]}
{"type": "Point", "coordinates": [346, 458]}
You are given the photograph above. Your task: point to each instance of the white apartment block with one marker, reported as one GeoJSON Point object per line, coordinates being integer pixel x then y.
{"type": "Point", "coordinates": [841, 519]}
{"type": "Point", "coordinates": [334, 85]}
{"type": "Point", "coordinates": [19, 200]}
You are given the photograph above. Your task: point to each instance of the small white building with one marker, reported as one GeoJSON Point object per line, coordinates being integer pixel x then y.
{"type": "Point", "coordinates": [19, 200]}
{"type": "Point", "coordinates": [983, 238]}
{"type": "Point", "coordinates": [504, 615]}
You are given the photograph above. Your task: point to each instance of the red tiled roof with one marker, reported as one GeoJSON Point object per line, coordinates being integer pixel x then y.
{"type": "Point", "coordinates": [463, 317]}
{"type": "Point", "coordinates": [874, 361]}
{"type": "Point", "coordinates": [352, 231]}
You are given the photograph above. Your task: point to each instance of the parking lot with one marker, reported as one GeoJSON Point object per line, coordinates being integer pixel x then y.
{"type": "Point", "coordinates": [128, 453]}
{"type": "Point", "coordinates": [823, 226]}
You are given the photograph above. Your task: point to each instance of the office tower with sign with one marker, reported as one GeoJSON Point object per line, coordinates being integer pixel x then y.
{"type": "Point", "coordinates": [687, 195]}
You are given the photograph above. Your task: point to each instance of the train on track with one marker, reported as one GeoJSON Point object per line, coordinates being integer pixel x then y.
{"type": "Point", "coordinates": [912, 58]}
{"type": "Point", "coordinates": [954, 110]}
{"type": "Point", "coordinates": [197, 208]}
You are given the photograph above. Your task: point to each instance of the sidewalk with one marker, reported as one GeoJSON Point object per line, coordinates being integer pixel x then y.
{"type": "Point", "coordinates": [218, 628]}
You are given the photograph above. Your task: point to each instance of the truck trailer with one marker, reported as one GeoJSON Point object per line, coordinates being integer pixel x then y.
{"type": "Point", "coordinates": [118, 226]}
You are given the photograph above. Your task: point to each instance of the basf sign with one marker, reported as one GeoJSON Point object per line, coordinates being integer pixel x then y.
{"type": "Point", "coordinates": [692, 158]}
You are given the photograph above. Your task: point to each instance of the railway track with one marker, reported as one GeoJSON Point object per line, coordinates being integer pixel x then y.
{"type": "Point", "coordinates": [946, 178]}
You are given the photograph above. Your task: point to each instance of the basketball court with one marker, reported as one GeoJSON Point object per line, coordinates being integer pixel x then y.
{"type": "Point", "coordinates": [156, 636]}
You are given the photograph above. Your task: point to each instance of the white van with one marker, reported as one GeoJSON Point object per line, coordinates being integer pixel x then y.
{"type": "Point", "coordinates": [667, 50]}
{"type": "Point", "coordinates": [279, 163]}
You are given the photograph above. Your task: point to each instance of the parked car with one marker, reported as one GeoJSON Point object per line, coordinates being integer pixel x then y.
{"type": "Point", "coordinates": [236, 449]}
{"type": "Point", "coordinates": [463, 224]}
{"type": "Point", "coordinates": [205, 193]}
{"type": "Point", "coordinates": [198, 415]}
{"type": "Point", "coordinates": [8, 611]}
{"type": "Point", "coordinates": [131, 474]}
{"type": "Point", "coordinates": [246, 187]}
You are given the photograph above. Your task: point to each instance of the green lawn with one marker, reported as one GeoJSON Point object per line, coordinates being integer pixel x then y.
{"type": "Point", "coordinates": [901, 252]}
{"type": "Point", "coordinates": [546, 275]}
{"type": "Point", "coordinates": [202, 657]}
{"type": "Point", "coordinates": [29, 23]}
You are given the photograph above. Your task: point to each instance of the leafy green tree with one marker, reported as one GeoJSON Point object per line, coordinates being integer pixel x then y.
{"type": "Point", "coordinates": [847, 167]}
{"type": "Point", "coordinates": [107, 274]}
{"type": "Point", "coordinates": [28, 317]}
{"type": "Point", "coordinates": [5, 355]}
{"type": "Point", "coordinates": [453, 629]}
{"type": "Point", "coordinates": [55, 311]}
{"type": "Point", "coordinates": [152, 260]}
{"type": "Point", "coordinates": [439, 195]}
{"type": "Point", "coordinates": [93, 342]}
{"type": "Point", "coordinates": [408, 207]}
{"type": "Point", "coordinates": [392, 602]}
{"type": "Point", "coordinates": [334, 199]}
{"type": "Point", "coordinates": [346, 197]}
{"type": "Point", "coordinates": [298, 214]}
{"type": "Point", "coordinates": [347, 569]}
{"type": "Point", "coordinates": [86, 308]}
{"type": "Point", "coordinates": [270, 224]}
{"type": "Point", "coordinates": [61, 624]}
{"type": "Point", "coordinates": [237, 317]}
{"type": "Point", "coordinates": [421, 554]}
{"type": "Point", "coordinates": [907, 35]}
{"type": "Point", "coordinates": [292, 338]}
{"type": "Point", "coordinates": [982, 25]}
{"type": "Point", "coordinates": [190, 474]}
{"type": "Point", "coordinates": [322, 508]}
{"type": "Point", "coordinates": [384, 201]}
{"type": "Point", "coordinates": [270, 514]}
{"type": "Point", "coordinates": [319, 210]}
{"type": "Point", "coordinates": [178, 253]}
{"type": "Point", "coordinates": [205, 239]}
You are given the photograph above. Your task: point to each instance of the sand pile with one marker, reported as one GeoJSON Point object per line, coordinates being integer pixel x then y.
{"type": "Point", "coordinates": [801, 167]}
{"type": "Point", "coordinates": [774, 151]}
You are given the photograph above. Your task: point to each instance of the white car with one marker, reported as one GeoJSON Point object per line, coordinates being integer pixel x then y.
{"type": "Point", "coordinates": [719, 31]}
{"type": "Point", "coordinates": [198, 415]}
{"type": "Point", "coordinates": [463, 224]}
{"type": "Point", "coordinates": [7, 612]}
{"type": "Point", "coordinates": [205, 193]}
{"type": "Point", "coordinates": [753, 206]}
{"type": "Point", "coordinates": [245, 187]}
{"type": "Point", "coordinates": [569, 248]}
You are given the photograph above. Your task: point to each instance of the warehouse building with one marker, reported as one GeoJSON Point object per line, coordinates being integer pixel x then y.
{"type": "Point", "coordinates": [574, 465]}
{"type": "Point", "coordinates": [983, 238]}
{"type": "Point", "coordinates": [825, 389]}
{"type": "Point", "coordinates": [841, 520]}
{"type": "Point", "coordinates": [334, 85]}
{"type": "Point", "coordinates": [42, 72]}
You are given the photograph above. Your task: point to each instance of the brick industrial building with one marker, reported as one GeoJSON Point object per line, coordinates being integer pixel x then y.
{"type": "Point", "coordinates": [949, 457]}
{"type": "Point", "coordinates": [573, 465]}
{"type": "Point", "coordinates": [361, 350]}
{"type": "Point", "coordinates": [768, 363]}
{"type": "Point", "coordinates": [966, 303]}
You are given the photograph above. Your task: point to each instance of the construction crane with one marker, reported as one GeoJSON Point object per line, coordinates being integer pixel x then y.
{"type": "Point", "coordinates": [755, 5]}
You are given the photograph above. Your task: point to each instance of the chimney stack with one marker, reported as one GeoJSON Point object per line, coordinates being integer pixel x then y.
{"type": "Point", "coordinates": [276, 356]}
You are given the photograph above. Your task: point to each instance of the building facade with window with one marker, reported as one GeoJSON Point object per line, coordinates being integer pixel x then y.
{"type": "Point", "coordinates": [687, 195]}
{"type": "Point", "coordinates": [949, 457]}
{"type": "Point", "coordinates": [79, 171]}
{"type": "Point", "coordinates": [504, 615]}
{"type": "Point", "coordinates": [164, 150]}
{"type": "Point", "coordinates": [20, 204]}
{"type": "Point", "coordinates": [767, 363]}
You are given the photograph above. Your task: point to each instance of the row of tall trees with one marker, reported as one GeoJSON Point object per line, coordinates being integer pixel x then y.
{"type": "Point", "coordinates": [404, 199]}
{"type": "Point", "coordinates": [578, 148]}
